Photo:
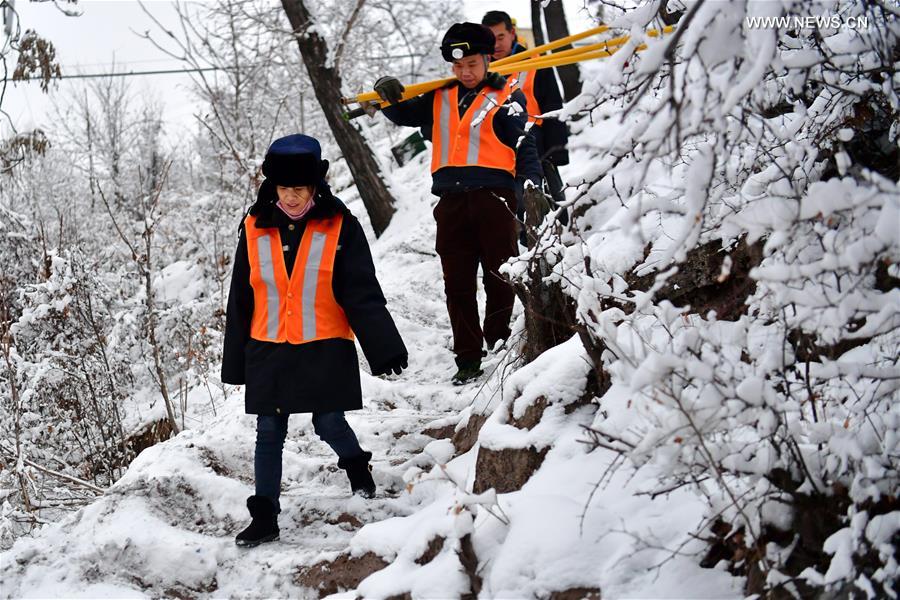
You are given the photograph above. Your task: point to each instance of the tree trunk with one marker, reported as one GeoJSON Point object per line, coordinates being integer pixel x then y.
{"type": "Point", "coordinates": [549, 312]}
{"type": "Point", "coordinates": [536, 208]}
{"type": "Point", "coordinates": [557, 28]}
{"type": "Point", "coordinates": [536, 28]}
{"type": "Point", "coordinates": [326, 83]}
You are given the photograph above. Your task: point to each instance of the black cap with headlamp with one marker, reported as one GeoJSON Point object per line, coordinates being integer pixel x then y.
{"type": "Point", "coordinates": [466, 39]}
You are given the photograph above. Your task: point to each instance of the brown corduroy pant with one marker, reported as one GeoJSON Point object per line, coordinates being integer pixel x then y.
{"type": "Point", "coordinates": [473, 227]}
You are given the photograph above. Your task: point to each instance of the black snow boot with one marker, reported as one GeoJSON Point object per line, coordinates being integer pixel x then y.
{"type": "Point", "coordinates": [359, 471]}
{"type": "Point", "coordinates": [264, 526]}
{"type": "Point", "coordinates": [468, 370]}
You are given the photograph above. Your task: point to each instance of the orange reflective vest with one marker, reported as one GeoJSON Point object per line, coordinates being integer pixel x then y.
{"type": "Point", "coordinates": [300, 308]}
{"type": "Point", "coordinates": [469, 141]}
{"type": "Point", "coordinates": [524, 80]}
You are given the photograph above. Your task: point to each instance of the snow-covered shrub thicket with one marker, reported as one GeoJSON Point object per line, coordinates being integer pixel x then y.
{"type": "Point", "coordinates": [71, 384]}
{"type": "Point", "coordinates": [735, 259]}
{"type": "Point", "coordinates": [112, 292]}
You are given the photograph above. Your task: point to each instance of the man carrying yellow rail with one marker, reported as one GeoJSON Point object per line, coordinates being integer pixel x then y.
{"type": "Point", "coordinates": [542, 95]}
{"type": "Point", "coordinates": [480, 154]}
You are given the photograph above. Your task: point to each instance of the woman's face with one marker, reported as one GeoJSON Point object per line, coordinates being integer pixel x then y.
{"type": "Point", "coordinates": [294, 199]}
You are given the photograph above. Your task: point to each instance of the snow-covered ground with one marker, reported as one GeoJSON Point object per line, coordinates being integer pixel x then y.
{"type": "Point", "coordinates": [523, 505]}
{"type": "Point", "coordinates": [167, 527]}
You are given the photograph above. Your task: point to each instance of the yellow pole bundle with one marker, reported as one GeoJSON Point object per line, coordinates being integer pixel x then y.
{"type": "Point", "coordinates": [526, 61]}
{"type": "Point", "coordinates": [550, 46]}
{"type": "Point", "coordinates": [583, 50]}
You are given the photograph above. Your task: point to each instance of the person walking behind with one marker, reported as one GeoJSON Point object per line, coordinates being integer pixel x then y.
{"type": "Point", "coordinates": [302, 287]}
{"type": "Point", "coordinates": [551, 136]}
{"type": "Point", "coordinates": [480, 154]}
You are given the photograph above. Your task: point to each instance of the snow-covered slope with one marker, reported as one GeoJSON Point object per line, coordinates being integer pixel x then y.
{"type": "Point", "coordinates": [567, 529]}
{"type": "Point", "coordinates": [167, 527]}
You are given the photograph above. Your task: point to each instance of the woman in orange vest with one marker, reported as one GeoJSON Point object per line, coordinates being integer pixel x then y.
{"type": "Point", "coordinates": [480, 155]}
{"type": "Point", "coordinates": [303, 287]}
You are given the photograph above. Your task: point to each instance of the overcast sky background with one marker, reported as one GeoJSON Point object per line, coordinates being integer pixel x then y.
{"type": "Point", "coordinates": [105, 38]}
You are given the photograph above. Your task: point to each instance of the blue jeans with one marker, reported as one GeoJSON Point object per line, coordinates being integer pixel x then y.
{"type": "Point", "coordinates": [331, 427]}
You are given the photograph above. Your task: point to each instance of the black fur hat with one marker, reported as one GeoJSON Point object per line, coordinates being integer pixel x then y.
{"type": "Point", "coordinates": [295, 160]}
{"type": "Point", "coordinates": [466, 39]}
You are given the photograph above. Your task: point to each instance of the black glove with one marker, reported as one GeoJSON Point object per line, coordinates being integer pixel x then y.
{"type": "Point", "coordinates": [390, 89]}
{"type": "Point", "coordinates": [559, 157]}
{"type": "Point", "coordinates": [395, 366]}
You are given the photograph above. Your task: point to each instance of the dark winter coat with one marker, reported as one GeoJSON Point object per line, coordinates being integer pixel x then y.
{"type": "Point", "coordinates": [318, 376]}
{"type": "Point", "coordinates": [551, 137]}
{"type": "Point", "coordinates": [509, 128]}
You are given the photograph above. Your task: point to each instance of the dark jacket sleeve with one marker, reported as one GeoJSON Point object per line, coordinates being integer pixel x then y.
{"type": "Point", "coordinates": [237, 316]}
{"type": "Point", "coordinates": [357, 290]}
{"type": "Point", "coordinates": [415, 112]}
{"type": "Point", "coordinates": [554, 133]}
{"type": "Point", "coordinates": [509, 126]}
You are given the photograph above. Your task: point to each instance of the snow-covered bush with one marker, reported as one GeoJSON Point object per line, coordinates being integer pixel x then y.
{"type": "Point", "coordinates": [734, 255]}
{"type": "Point", "coordinates": [111, 305]}
{"type": "Point", "coordinates": [61, 425]}
{"type": "Point", "coordinates": [70, 381]}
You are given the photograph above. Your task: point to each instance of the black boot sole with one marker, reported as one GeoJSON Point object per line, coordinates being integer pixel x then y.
{"type": "Point", "coordinates": [467, 380]}
{"type": "Point", "coordinates": [254, 543]}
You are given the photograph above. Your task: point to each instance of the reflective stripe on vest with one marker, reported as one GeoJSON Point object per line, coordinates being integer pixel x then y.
{"type": "Point", "coordinates": [469, 141]}
{"type": "Point", "coordinates": [524, 81]}
{"type": "Point", "coordinates": [300, 308]}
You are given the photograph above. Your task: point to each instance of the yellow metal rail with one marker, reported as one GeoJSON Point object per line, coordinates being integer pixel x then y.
{"type": "Point", "coordinates": [550, 46]}
{"type": "Point", "coordinates": [604, 45]}
{"type": "Point", "coordinates": [530, 60]}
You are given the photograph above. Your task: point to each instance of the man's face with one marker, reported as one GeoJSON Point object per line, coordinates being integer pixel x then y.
{"type": "Point", "coordinates": [470, 70]}
{"type": "Point", "coordinates": [503, 40]}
